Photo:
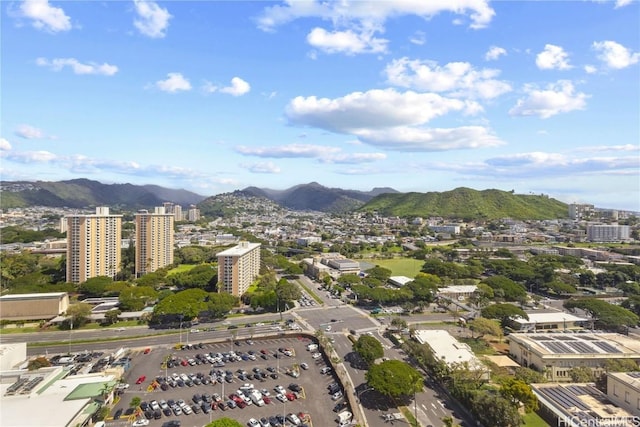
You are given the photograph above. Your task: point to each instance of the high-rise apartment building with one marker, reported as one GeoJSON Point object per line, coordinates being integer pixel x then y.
{"type": "Point", "coordinates": [608, 233]}
{"type": "Point", "coordinates": [154, 240]}
{"type": "Point", "coordinates": [238, 267]}
{"type": "Point", "coordinates": [581, 211]}
{"type": "Point", "coordinates": [193, 214]}
{"type": "Point", "coordinates": [174, 209]}
{"type": "Point", "coordinates": [93, 245]}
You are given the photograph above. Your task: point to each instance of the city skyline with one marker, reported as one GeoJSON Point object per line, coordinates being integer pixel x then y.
{"type": "Point", "coordinates": [538, 97]}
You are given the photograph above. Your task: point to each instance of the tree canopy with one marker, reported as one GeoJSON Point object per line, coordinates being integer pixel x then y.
{"type": "Point", "coordinates": [481, 326]}
{"type": "Point", "coordinates": [394, 378]}
{"type": "Point", "coordinates": [368, 348]}
{"type": "Point", "coordinates": [503, 312]}
{"type": "Point", "coordinates": [607, 315]}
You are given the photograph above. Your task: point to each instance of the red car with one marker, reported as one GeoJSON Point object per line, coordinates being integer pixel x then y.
{"type": "Point", "coordinates": [147, 351]}
{"type": "Point", "coordinates": [141, 379]}
{"type": "Point", "coordinates": [266, 399]}
{"type": "Point", "coordinates": [290, 396]}
{"type": "Point", "coordinates": [183, 362]}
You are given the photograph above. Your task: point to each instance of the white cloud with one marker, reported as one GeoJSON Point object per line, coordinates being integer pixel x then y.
{"type": "Point", "coordinates": [238, 87]}
{"type": "Point", "coordinates": [348, 42]}
{"type": "Point", "coordinates": [325, 154]}
{"type": "Point", "coordinates": [494, 53]}
{"type": "Point", "coordinates": [419, 38]}
{"type": "Point", "coordinates": [29, 132]}
{"type": "Point", "coordinates": [373, 109]}
{"type": "Point", "coordinates": [354, 158]}
{"type": "Point", "coordinates": [27, 157]}
{"type": "Point", "coordinates": [557, 98]}
{"type": "Point", "coordinates": [372, 12]}
{"type": "Point", "coordinates": [615, 55]}
{"type": "Point", "coordinates": [458, 79]}
{"type": "Point", "coordinates": [4, 145]}
{"type": "Point", "coordinates": [542, 164]}
{"type": "Point", "coordinates": [423, 139]}
{"type": "Point", "coordinates": [175, 82]}
{"type": "Point", "coordinates": [44, 16]}
{"type": "Point", "coordinates": [590, 69]}
{"type": "Point", "coordinates": [265, 167]}
{"type": "Point", "coordinates": [622, 3]}
{"type": "Point", "coordinates": [288, 151]}
{"type": "Point", "coordinates": [601, 148]}
{"type": "Point", "coordinates": [553, 58]}
{"type": "Point", "coordinates": [58, 64]}
{"type": "Point", "coordinates": [152, 20]}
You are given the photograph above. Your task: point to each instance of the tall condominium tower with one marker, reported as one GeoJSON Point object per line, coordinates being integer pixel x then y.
{"type": "Point", "coordinates": [238, 267]}
{"type": "Point", "coordinates": [154, 240]}
{"type": "Point", "coordinates": [93, 245]}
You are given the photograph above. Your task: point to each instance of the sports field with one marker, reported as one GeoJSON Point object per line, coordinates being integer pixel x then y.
{"type": "Point", "coordinates": [408, 267]}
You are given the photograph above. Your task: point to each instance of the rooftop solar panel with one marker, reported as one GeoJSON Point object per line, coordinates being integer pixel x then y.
{"type": "Point", "coordinates": [608, 348]}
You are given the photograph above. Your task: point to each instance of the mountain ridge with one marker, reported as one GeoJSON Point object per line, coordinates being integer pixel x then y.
{"type": "Point", "coordinates": [467, 203]}
{"type": "Point", "coordinates": [463, 203]}
{"type": "Point", "coordinates": [85, 193]}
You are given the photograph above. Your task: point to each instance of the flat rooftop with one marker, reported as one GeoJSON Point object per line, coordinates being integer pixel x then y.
{"type": "Point", "coordinates": [541, 318]}
{"type": "Point", "coordinates": [56, 404]}
{"type": "Point", "coordinates": [574, 344]}
{"type": "Point", "coordinates": [447, 348]}
{"type": "Point", "coordinates": [581, 402]}
{"type": "Point", "coordinates": [239, 250]}
{"type": "Point", "coordinates": [33, 296]}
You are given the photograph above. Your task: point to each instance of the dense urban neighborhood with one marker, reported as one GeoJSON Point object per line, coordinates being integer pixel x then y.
{"type": "Point", "coordinates": [114, 316]}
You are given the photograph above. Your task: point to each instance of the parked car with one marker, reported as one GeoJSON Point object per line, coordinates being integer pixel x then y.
{"type": "Point", "coordinates": [140, 423]}
{"type": "Point", "coordinates": [141, 379]}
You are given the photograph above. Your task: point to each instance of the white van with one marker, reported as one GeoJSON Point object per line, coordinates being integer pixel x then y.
{"type": "Point", "coordinates": [344, 416]}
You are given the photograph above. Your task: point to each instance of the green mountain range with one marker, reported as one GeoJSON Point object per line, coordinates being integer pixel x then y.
{"type": "Point", "coordinates": [466, 203]}
{"type": "Point", "coordinates": [84, 193]}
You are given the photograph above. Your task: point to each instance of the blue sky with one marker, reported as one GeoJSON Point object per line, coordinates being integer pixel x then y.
{"type": "Point", "coordinates": [214, 96]}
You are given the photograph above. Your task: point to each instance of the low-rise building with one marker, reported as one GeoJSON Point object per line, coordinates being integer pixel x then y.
{"type": "Point", "coordinates": [578, 405]}
{"type": "Point", "coordinates": [449, 350]}
{"type": "Point", "coordinates": [556, 354]}
{"type": "Point", "coordinates": [556, 321]}
{"type": "Point", "coordinates": [37, 306]}
{"type": "Point", "coordinates": [399, 281]}
{"type": "Point", "coordinates": [623, 389]}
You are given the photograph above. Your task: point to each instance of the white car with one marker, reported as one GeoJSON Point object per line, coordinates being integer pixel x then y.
{"type": "Point", "coordinates": [253, 423]}
{"type": "Point", "coordinates": [281, 397]}
{"type": "Point", "coordinates": [279, 389]}
{"type": "Point", "coordinates": [316, 355]}
{"type": "Point", "coordinates": [140, 423]}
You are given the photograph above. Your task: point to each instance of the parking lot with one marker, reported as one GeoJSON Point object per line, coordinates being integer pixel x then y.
{"type": "Point", "coordinates": [210, 375]}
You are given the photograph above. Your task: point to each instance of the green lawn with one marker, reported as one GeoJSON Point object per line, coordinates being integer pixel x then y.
{"type": "Point", "coordinates": [408, 267]}
{"type": "Point", "coordinates": [181, 269]}
{"type": "Point", "coordinates": [533, 420]}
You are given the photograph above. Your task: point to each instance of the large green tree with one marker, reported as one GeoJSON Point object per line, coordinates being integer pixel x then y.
{"type": "Point", "coordinates": [503, 312]}
{"type": "Point", "coordinates": [608, 316]}
{"type": "Point", "coordinates": [481, 326]}
{"type": "Point", "coordinates": [518, 391]}
{"type": "Point", "coordinates": [394, 378]}
{"type": "Point", "coordinates": [77, 315]}
{"type": "Point", "coordinates": [368, 348]}
{"type": "Point", "coordinates": [95, 286]}
{"type": "Point", "coordinates": [494, 410]}
{"type": "Point", "coordinates": [136, 298]}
